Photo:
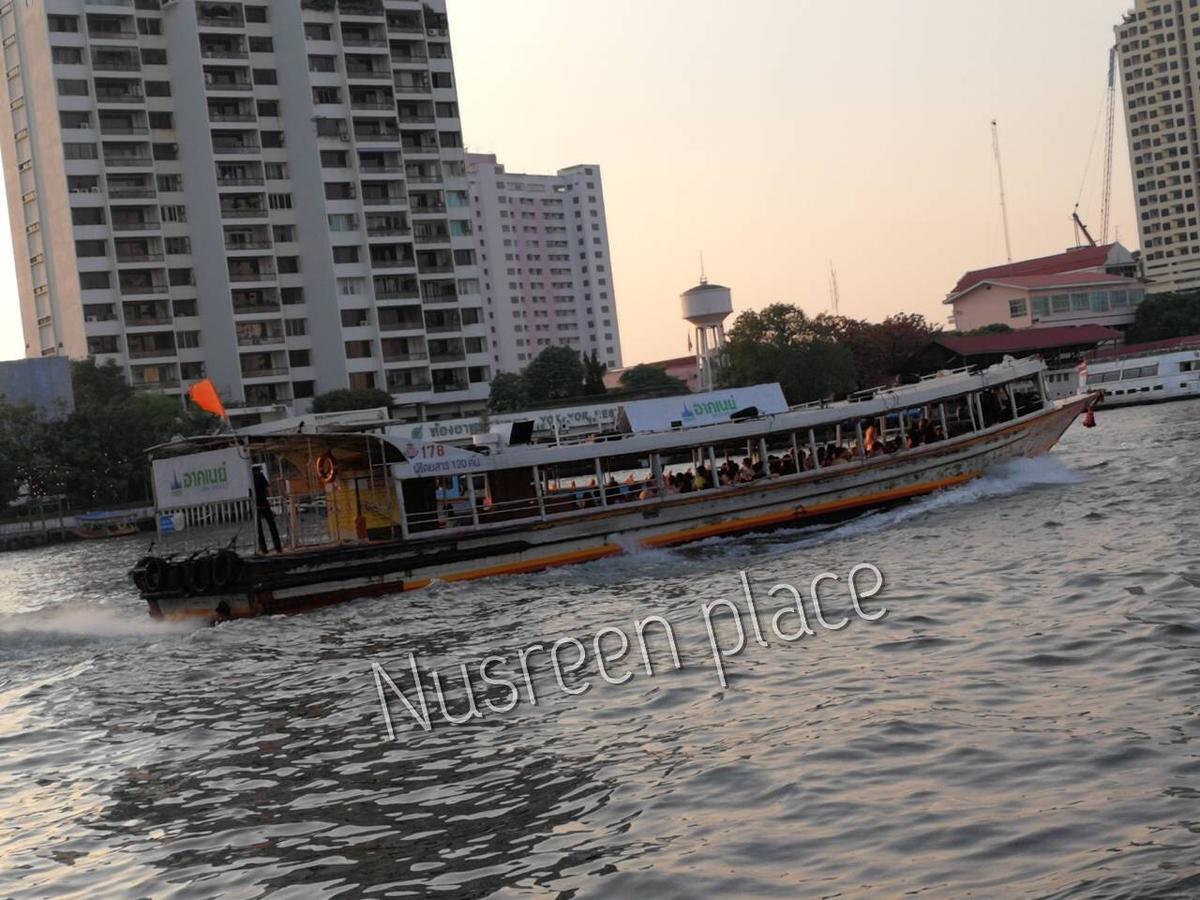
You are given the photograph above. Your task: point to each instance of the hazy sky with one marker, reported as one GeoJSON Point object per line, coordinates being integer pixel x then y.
{"type": "Point", "coordinates": [777, 135]}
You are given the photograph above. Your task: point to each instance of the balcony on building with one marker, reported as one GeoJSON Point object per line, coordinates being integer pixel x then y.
{"type": "Point", "coordinates": [446, 350]}
{"type": "Point", "coordinates": [435, 261]}
{"type": "Point", "coordinates": [101, 344]}
{"type": "Point", "coordinates": [423, 172]}
{"type": "Point", "coordinates": [391, 288]}
{"type": "Point", "coordinates": [231, 109]}
{"type": "Point", "coordinates": [100, 312]}
{"type": "Point", "coordinates": [371, 8]}
{"type": "Point", "coordinates": [425, 203]}
{"type": "Point", "coordinates": [134, 218]}
{"type": "Point", "coordinates": [439, 290]}
{"type": "Point", "coordinates": [408, 381]}
{"type": "Point", "coordinates": [414, 82]}
{"type": "Point", "coordinates": [253, 268]}
{"type": "Point", "coordinates": [258, 395]}
{"type": "Point", "coordinates": [151, 344]}
{"type": "Point", "coordinates": [363, 34]}
{"type": "Point", "coordinates": [372, 98]}
{"type": "Point", "coordinates": [138, 251]}
{"type": "Point", "coordinates": [383, 193]}
{"type": "Point", "coordinates": [401, 318]}
{"type": "Point", "coordinates": [419, 143]}
{"type": "Point", "coordinates": [447, 381]}
{"type": "Point", "coordinates": [164, 376]}
{"type": "Point", "coordinates": [260, 332]}
{"type": "Point", "coordinates": [404, 350]}
{"type": "Point", "coordinates": [405, 22]}
{"type": "Point", "coordinates": [248, 174]}
{"type": "Point", "coordinates": [416, 112]}
{"type": "Point", "coordinates": [242, 238]}
{"type": "Point", "coordinates": [442, 321]}
{"type": "Point", "coordinates": [146, 313]}
{"type": "Point", "coordinates": [130, 186]}
{"type": "Point", "coordinates": [255, 301]}
{"type": "Point", "coordinates": [431, 232]}
{"type": "Point", "coordinates": [227, 78]}
{"type": "Point", "coordinates": [123, 122]}
{"type": "Point", "coordinates": [116, 59]}
{"type": "Point", "coordinates": [219, 15]}
{"type": "Point", "coordinates": [127, 154]}
{"type": "Point", "coordinates": [139, 283]}
{"type": "Point", "coordinates": [374, 162]}
{"type": "Point", "coordinates": [118, 90]}
{"type": "Point", "coordinates": [392, 256]}
{"type": "Point", "coordinates": [264, 365]}
{"type": "Point", "coordinates": [408, 53]}
{"type": "Point", "coordinates": [105, 27]}
{"type": "Point", "coordinates": [360, 66]}
{"type": "Point", "coordinates": [387, 225]}
{"type": "Point", "coordinates": [376, 130]}
{"type": "Point", "coordinates": [236, 143]}
{"type": "Point", "coordinates": [223, 46]}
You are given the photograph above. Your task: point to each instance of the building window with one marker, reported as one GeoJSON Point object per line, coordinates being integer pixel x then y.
{"type": "Point", "coordinates": [1017, 308]}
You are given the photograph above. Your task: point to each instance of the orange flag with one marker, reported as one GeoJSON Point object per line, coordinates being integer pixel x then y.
{"type": "Point", "coordinates": [204, 395]}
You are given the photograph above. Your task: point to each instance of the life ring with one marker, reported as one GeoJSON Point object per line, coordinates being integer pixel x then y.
{"type": "Point", "coordinates": [225, 568]}
{"type": "Point", "coordinates": [326, 468]}
{"type": "Point", "coordinates": [197, 574]}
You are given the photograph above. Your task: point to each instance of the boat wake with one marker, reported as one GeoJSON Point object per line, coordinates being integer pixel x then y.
{"type": "Point", "coordinates": [77, 625]}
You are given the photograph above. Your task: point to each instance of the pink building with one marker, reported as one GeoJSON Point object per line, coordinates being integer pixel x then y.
{"type": "Point", "coordinates": [1083, 286]}
{"type": "Point", "coordinates": [682, 367]}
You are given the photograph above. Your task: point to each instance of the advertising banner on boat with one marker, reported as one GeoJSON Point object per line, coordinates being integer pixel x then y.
{"type": "Point", "coordinates": [546, 423]}
{"type": "Point", "coordinates": [689, 410]}
{"type": "Point", "coordinates": [214, 476]}
{"type": "Point", "coordinates": [427, 459]}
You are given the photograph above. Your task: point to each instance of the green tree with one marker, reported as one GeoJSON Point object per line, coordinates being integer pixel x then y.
{"type": "Point", "coordinates": [346, 399]}
{"type": "Point", "coordinates": [780, 343]}
{"type": "Point", "coordinates": [509, 393]}
{"type": "Point", "coordinates": [554, 374]}
{"type": "Point", "coordinates": [1161, 317]}
{"type": "Point", "coordinates": [593, 375]}
{"type": "Point", "coordinates": [646, 378]}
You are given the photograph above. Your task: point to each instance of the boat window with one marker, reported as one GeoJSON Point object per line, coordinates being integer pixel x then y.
{"type": "Point", "coordinates": [1139, 372]}
{"type": "Point", "coordinates": [1189, 365]}
{"type": "Point", "coordinates": [1102, 377]}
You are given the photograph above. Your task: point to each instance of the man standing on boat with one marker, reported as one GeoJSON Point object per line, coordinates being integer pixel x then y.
{"type": "Point", "coordinates": [262, 500]}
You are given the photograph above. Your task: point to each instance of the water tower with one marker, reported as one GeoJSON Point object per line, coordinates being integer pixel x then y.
{"type": "Point", "coordinates": [706, 307]}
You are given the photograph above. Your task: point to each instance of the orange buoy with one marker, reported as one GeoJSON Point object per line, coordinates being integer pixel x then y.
{"type": "Point", "coordinates": [1089, 419]}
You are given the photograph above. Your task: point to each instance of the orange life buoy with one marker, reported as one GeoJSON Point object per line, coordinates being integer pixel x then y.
{"type": "Point", "coordinates": [326, 468]}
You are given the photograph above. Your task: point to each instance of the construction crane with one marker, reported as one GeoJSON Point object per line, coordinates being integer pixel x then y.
{"type": "Point", "coordinates": [1080, 227]}
{"type": "Point", "coordinates": [1106, 197]}
{"type": "Point", "coordinates": [1000, 174]}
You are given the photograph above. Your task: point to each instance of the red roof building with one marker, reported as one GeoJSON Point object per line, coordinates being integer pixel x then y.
{"type": "Point", "coordinates": [1058, 345]}
{"type": "Point", "coordinates": [1083, 286]}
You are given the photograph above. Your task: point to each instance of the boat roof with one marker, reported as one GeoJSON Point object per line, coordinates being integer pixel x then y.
{"type": "Point", "coordinates": [384, 449]}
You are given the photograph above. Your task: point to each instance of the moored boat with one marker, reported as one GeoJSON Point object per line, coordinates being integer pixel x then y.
{"type": "Point", "coordinates": [355, 515]}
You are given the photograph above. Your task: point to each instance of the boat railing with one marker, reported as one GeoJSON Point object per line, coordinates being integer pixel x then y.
{"type": "Point", "coordinates": [193, 529]}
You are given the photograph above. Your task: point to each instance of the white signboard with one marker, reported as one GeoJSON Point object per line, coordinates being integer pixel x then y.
{"type": "Point", "coordinates": [689, 410]}
{"type": "Point", "coordinates": [427, 459]}
{"type": "Point", "coordinates": [589, 418]}
{"type": "Point", "coordinates": [215, 476]}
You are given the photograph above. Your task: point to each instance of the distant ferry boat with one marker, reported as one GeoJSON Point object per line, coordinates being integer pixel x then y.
{"type": "Point", "coordinates": [1147, 373]}
{"type": "Point", "coordinates": [371, 514]}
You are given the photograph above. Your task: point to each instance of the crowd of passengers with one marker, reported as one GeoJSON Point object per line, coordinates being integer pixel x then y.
{"type": "Point", "coordinates": [564, 494]}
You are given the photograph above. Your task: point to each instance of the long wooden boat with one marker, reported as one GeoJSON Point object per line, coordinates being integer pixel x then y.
{"type": "Point", "coordinates": [369, 514]}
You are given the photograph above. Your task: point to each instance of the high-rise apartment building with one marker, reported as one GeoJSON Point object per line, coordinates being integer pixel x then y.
{"type": "Point", "coordinates": [545, 263]}
{"type": "Point", "coordinates": [270, 194]}
{"type": "Point", "coordinates": [1158, 48]}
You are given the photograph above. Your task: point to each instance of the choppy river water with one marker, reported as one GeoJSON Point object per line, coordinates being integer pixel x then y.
{"type": "Point", "coordinates": [1021, 722]}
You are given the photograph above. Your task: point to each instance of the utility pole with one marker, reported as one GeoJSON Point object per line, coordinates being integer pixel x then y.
{"type": "Point", "coordinates": [1003, 203]}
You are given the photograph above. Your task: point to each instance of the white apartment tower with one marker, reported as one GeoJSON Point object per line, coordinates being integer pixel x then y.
{"type": "Point", "coordinates": [270, 194]}
{"type": "Point", "coordinates": [546, 267]}
{"type": "Point", "coordinates": [1158, 48]}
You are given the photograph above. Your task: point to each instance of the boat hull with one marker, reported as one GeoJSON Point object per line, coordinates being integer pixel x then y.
{"type": "Point", "coordinates": [294, 582]}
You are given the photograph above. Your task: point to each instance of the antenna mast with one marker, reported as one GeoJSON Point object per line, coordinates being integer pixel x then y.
{"type": "Point", "coordinates": [834, 298]}
{"type": "Point", "coordinates": [1000, 173]}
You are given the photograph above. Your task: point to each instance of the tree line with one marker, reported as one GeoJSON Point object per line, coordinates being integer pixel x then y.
{"type": "Point", "coordinates": [96, 456]}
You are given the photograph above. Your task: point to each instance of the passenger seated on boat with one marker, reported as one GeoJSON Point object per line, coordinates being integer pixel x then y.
{"type": "Point", "coordinates": [745, 471]}
{"type": "Point", "coordinates": [649, 491]}
{"type": "Point", "coordinates": [877, 450]}
{"type": "Point", "coordinates": [701, 479]}
{"type": "Point", "coordinates": [869, 436]}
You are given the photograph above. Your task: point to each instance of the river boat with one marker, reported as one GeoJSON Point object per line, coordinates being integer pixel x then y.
{"type": "Point", "coordinates": [368, 514]}
{"type": "Point", "coordinates": [1135, 375]}
{"type": "Point", "coordinates": [97, 525]}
